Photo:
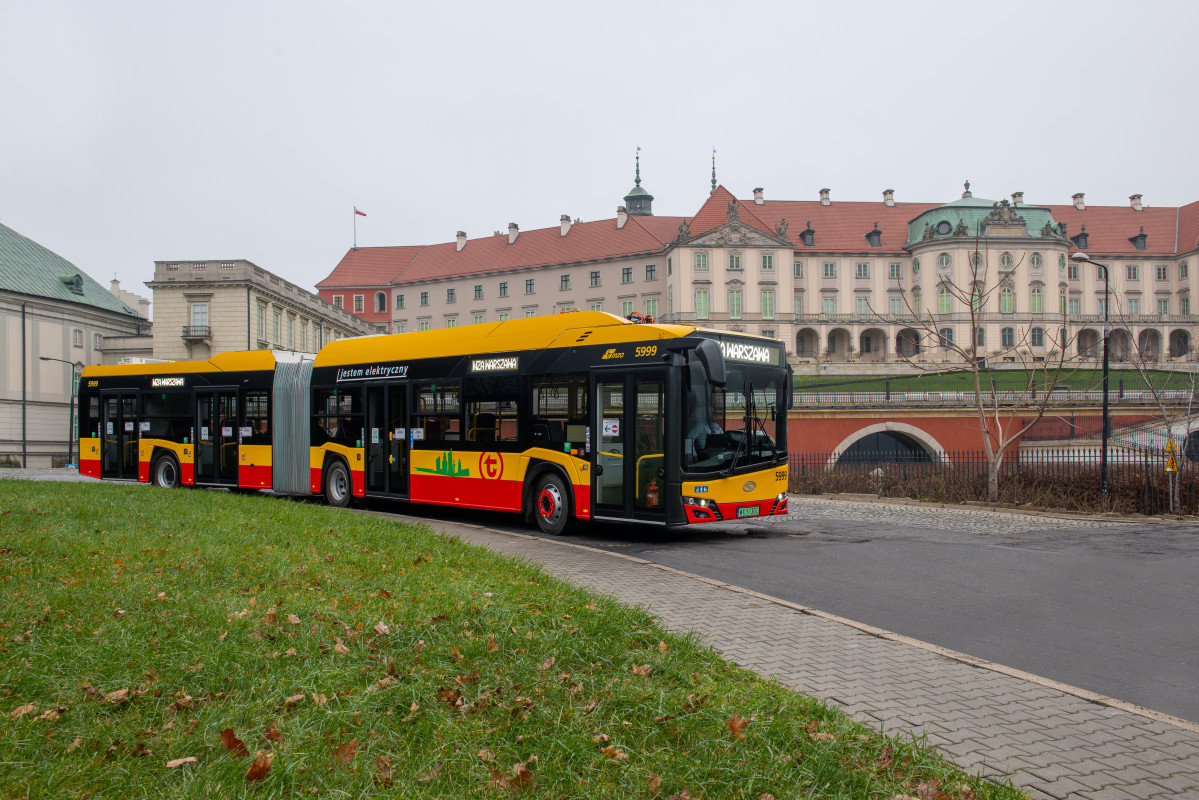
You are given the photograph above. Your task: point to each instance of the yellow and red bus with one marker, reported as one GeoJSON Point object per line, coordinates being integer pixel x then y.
{"type": "Point", "coordinates": [575, 416]}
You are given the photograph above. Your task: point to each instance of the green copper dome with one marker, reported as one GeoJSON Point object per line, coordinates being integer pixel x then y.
{"type": "Point", "coordinates": [971, 216]}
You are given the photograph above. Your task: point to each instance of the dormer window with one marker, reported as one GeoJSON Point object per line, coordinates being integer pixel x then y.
{"type": "Point", "coordinates": [874, 237]}
{"type": "Point", "coordinates": [74, 283]}
{"type": "Point", "coordinates": [1139, 241]}
{"type": "Point", "coordinates": [808, 237]}
{"type": "Point", "coordinates": [1080, 239]}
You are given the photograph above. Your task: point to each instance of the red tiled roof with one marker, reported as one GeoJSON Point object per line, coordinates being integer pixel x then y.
{"type": "Point", "coordinates": [715, 212]}
{"type": "Point", "coordinates": [369, 266]}
{"type": "Point", "coordinates": [1109, 228]}
{"type": "Point", "coordinates": [1188, 228]}
{"type": "Point", "coordinates": [842, 225]}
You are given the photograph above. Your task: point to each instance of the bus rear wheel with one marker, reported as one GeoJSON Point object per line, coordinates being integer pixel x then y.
{"type": "Point", "coordinates": [551, 505]}
{"type": "Point", "coordinates": [165, 472]}
{"type": "Point", "coordinates": [337, 485]}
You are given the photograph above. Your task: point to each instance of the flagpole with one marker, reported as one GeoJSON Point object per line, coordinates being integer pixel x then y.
{"type": "Point", "coordinates": [355, 228]}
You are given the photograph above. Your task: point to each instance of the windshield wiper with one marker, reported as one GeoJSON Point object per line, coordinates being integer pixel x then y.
{"type": "Point", "coordinates": [747, 431]}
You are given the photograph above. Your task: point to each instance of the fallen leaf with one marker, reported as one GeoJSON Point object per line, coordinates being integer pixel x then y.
{"type": "Point", "coordinates": [295, 698]}
{"type": "Point", "coordinates": [522, 778]}
{"type": "Point", "coordinates": [386, 595]}
{"type": "Point", "coordinates": [260, 767]}
{"type": "Point", "coordinates": [221, 638]}
{"type": "Point", "coordinates": [142, 750]}
{"type": "Point", "coordinates": [544, 665]}
{"type": "Point", "coordinates": [653, 784]}
{"type": "Point", "coordinates": [683, 795]}
{"type": "Point", "coordinates": [178, 762]}
{"type": "Point", "coordinates": [587, 709]}
{"type": "Point", "coordinates": [642, 670]}
{"type": "Point", "coordinates": [270, 618]}
{"type": "Point", "coordinates": [930, 790]}
{"type": "Point", "coordinates": [345, 753]}
{"type": "Point", "coordinates": [78, 740]}
{"type": "Point", "coordinates": [615, 753]}
{"type": "Point", "coordinates": [737, 727]}
{"type": "Point", "coordinates": [662, 647]}
{"type": "Point", "coordinates": [382, 629]}
{"type": "Point", "coordinates": [420, 645]}
{"type": "Point", "coordinates": [425, 777]}
{"type": "Point", "coordinates": [162, 595]}
{"type": "Point", "coordinates": [272, 734]}
{"type": "Point", "coordinates": [339, 647]}
{"type": "Point", "coordinates": [492, 646]}
{"type": "Point", "coordinates": [54, 713]}
{"type": "Point", "coordinates": [293, 619]}
{"type": "Point", "coordinates": [319, 699]}
{"type": "Point", "coordinates": [118, 612]}
{"type": "Point", "coordinates": [21, 711]}
{"type": "Point", "coordinates": [383, 771]}
{"type": "Point", "coordinates": [117, 697]}
{"type": "Point", "coordinates": [486, 755]}
{"type": "Point", "coordinates": [235, 746]}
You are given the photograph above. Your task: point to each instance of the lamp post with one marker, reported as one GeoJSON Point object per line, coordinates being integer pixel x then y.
{"type": "Point", "coordinates": [1081, 257]}
{"type": "Point", "coordinates": [74, 365]}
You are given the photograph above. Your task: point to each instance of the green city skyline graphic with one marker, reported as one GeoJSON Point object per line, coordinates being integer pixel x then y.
{"type": "Point", "coordinates": [446, 466]}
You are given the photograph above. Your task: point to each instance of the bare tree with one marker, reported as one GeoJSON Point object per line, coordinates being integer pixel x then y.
{"type": "Point", "coordinates": [1005, 409]}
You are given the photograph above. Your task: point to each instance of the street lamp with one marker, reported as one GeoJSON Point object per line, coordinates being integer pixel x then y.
{"type": "Point", "coordinates": [74, 365]}
{"type": "Point", "coordinates": [1081, 257]}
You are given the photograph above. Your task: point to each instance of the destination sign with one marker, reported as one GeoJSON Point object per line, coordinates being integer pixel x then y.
{"type": "Point", "coordinates": [166, 381]}
{"type": "Point", "coordinates": [494, 364]}
{"type": "Point", "coordinates": [742, 351]}
{"type": "Point", "coordinates": [374, 372]}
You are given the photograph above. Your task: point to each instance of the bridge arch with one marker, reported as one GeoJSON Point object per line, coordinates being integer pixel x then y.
{"type": "Point", "coordinates": [930, 445]}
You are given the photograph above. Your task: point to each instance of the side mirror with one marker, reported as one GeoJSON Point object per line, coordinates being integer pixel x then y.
{"type": "Point", "coordinates": [708, 351]}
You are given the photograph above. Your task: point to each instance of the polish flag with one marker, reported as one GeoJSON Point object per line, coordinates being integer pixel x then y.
{"type": "Point", "coordinates": [359, 213]}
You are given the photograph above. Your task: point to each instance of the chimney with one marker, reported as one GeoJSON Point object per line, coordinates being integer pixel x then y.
{"type": "Point", "coordinates": [1134, 199]}
{"type": "Point", "coordinates": [461, 240]}
{"type": "Point", "coordinates": [513, 232]}
{"type": "Point", "coordinates": [889, 198]}
{"type": "Point", "coordinates": [622, 216]}
{"type": "Point", "coordinates": [824, 201]}
{"type": "Point", "coordinates": [1078, 202]}
{"type": "Point", "coordinates": [758, 196]}
{"type": "Point", "coordinates": [565, 224]}
{"type": "Point", "coordinates": [1017, 199]}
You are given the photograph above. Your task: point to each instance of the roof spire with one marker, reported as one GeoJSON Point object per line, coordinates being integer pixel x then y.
{"type": "Point", "coordinates": [637, 182]}
{"type": "Point", "coordinates": [638, 202]}
{"type": "Point", "coordinates": [713, 169]}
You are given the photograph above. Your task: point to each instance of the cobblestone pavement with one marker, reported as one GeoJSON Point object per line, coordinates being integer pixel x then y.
{"type": "Point", "coordinates": [1054, 740]}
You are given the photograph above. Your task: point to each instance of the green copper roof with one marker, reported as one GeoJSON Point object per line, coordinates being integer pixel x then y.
{"type": "Point", "coordinates": [28, 268]}
{"type": "Point", "coordinates": [636, 191]}
{"type": "Point", "coordinates": [970, 212]}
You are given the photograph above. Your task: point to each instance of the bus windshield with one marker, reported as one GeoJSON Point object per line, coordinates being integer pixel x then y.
{"type": "Point", "coordinates": [736, 426]}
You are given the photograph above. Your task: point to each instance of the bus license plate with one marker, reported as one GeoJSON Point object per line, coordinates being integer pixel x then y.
{"type": "Point", "coordinates": [748, 511]}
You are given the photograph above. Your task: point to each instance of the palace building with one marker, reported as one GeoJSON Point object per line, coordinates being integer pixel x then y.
{"type": "Point", "coordinates": [839, 282]}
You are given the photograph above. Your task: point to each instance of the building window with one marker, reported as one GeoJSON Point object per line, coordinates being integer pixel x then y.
{"type": "Point", "coordinates": [829, 304]}
{"type": "Point", "coordinates": [734, 304]}
{"type": "Point", "coordinates": [1072, 271]}
{"type": "Point", "coordinates": [98, 340]}
{"type": "Point", "coordinates": [1036, 337]}
{"type": "Point", "coordinates": [1134, 306]}
{"type": "Point", "coordinates": [799, 305]}
{"type": "Point", "coordinates": [734, 261]}
{"type": "Point", "coordinates": [1007, 300]}
{"type": "Point", "coordinates": [944, 300]}
{"type": "Point", "coordinates": [1006, 260]}
{"type": "Point", "coordinates": [279, 327]}
{"type": "Point", "coordinates": [1075, 306]}
{"type": "Point", "coordinates": [451, 295]}
{"type": "Point", "coordinates": [359, 303]}
{"type": "Point", "coordinates": [400, 328]}
{"type": "Point", "coordinates": [1036, 261]}
{"type": "Point", "coordinates": [423, 325]}
{"type": "Point", "coordinates": [338, 302]}
{"type": "Point", "coordinates": [478, 291]}
{"type": "Point", "coordinates": [980, 337]}
{"type": "Point", "coordinates": [1184, 305]}
{"type": "Point", "coordinates": [769, 333]}
{"type": "Point", "coordinates": [626, 274]}
{"type": "Point", "coordinates": [262, 322]}
{"type": "Point", "coordinates": [1061, 301]}
{"type": "Point", "coordinates": [564, 282]}
{"type": "Point", "coordinates": [896, 306]}
{"type": "Point", "coordinates": [1034, 300]}
{"type": "Point", "coordinates": [503, 288]}
{"type": "Point", "coordinates": [896, 271]}
{"type": "Point", "coordinates": [651, 272]}
{"type": "Point", "coordinates": [530, 286]}
{"type": "Point", "coordinates": [651, 307]}
{"type": "Point", "coordinates": [451, 322]}
{"type": "Point", "coordinates": [77, 338]}
{"type": "Point", "coordinates": [798, 267]}
{"type": "Point", "coordinates": [503, 317]}
{"type": "Point", "coordinates": [1007, 337]}
{"type": "Point", "coordinates": [424, 298]}
{"type": "Point", "coordinates": [596, 306]}
{"type": "Point", "coordinates": [291, 330]}
{"type": "Point", "coordinates": [830, 269]}
{"type": "Point", "coordinates": [1183, 271]}
{"type": "Point", "coordinates": [944, 261]}
{"type": "Point", "coordinates": [530, 314]}
{"type": "Point", "coordinates": [945, 335]}
{"type": "Point", "coordinates": [478, 319]}
{"type": "Point", "coordinates": [1163, 306]}
{"type": "Point", "coordinates": [863, 269]}
{"type": "Point", "coordinates": [1100, 305]}
{"type": "Point", "coordinates": [701, 262]}
{"type": "Point", "coordinates": [1163, 272]}
{"type": "Point", "coordinates": [767, 304]}
{"type": "Point", "coordinates": [915, 266]}
{"type": "Point", "coordinates": [380, 301]}
{"type": "Point", "coordinates": [976, 259]}
{"type": "Point", "coordinates": [863, 306]}
{"type": "Point", "coordinates": [399, 301]}
{"type": "Point", "coordinates": [701, 303]}
{"type": "Point", "coordinates": [768, 262]}
{"type": "Point", "coordinates": [199, 315]}
{"type": "Point", "coordinates": [595, 277]}
{"type": "Point", "coordinates": [1133, 272]}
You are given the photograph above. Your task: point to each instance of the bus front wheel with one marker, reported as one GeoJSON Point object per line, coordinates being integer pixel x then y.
{"type": "Point", "coordinates": [337, 485]}
{"type": "Point", "coordinates": [551, 504]}
{"type": "Point", "coordinates": [165, 472]}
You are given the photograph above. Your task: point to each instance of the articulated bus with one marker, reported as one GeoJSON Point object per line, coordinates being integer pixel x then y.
{"type": "Point", "coordinates": [582, 415]}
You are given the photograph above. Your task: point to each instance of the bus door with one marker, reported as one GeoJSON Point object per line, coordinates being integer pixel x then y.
{"type": "Point", "coordinates": [216, 437]}
{"type": "Point", "coordinates": [118, 420]}
{"type": "Point", "coordinates": [628, 461]}
{"type": "Point", "coordinates": [387, 439]}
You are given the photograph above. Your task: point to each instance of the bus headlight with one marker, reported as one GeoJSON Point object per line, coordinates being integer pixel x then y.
{"type": "Point", "coordinates": [780, 504]}
{"type": "Point", "coordinates": [702, 508]}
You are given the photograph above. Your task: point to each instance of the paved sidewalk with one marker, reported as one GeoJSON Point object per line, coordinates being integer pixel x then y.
{"type": "Point", "coordinates": [1054, 740]}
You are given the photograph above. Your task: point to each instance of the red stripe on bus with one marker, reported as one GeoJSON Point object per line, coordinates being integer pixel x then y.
{"type": "Point", "coordinates": [89, 467]}
{"type": "Point", "coordinates": [252, 477]}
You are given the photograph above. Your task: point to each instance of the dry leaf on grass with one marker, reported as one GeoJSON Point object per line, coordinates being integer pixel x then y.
{"type": "Point", "coordinates": [345, 753]}
{"type": "Point", "coordinates": [737, 727]}
{"type": "Point", "coordinates": [382, 629]}
{"type": "Point", "coordinates": [235, 746]}
{"type": "Point", "coordinates": [21, 711]}
{"type": "Point", "coordinates": [425, 777]}
{"type": "Point", "coordinates": [260, 767]}
{"type": "Point", "coordinates": [642, 670]}
{"type": "Point", "coordinates": [272, 734]}
{"type": "Point", "coordinates": [178, 762]}
{"type": "Point", "coordinates": [293, 619]}
{"type": "Point", "coordinates": [615, 753]}
{"type": "Point", "coordinates": [653, 784]}
{"type": "Point", "coordinates": [383, 771]}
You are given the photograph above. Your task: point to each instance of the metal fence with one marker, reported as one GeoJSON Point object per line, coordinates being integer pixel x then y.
{"type": "Point", "coordinates": [1069, 479]}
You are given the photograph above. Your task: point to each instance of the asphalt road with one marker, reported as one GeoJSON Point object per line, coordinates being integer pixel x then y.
{"type": "Point", "coordinates": [1108, 606]}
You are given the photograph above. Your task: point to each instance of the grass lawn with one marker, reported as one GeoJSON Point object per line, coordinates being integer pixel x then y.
{"type": "Point", "coordinates": [199, 643]}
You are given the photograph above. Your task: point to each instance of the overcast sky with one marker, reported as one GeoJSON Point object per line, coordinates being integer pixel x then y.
{"type": "Point", "coordinates": [143, 131]}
